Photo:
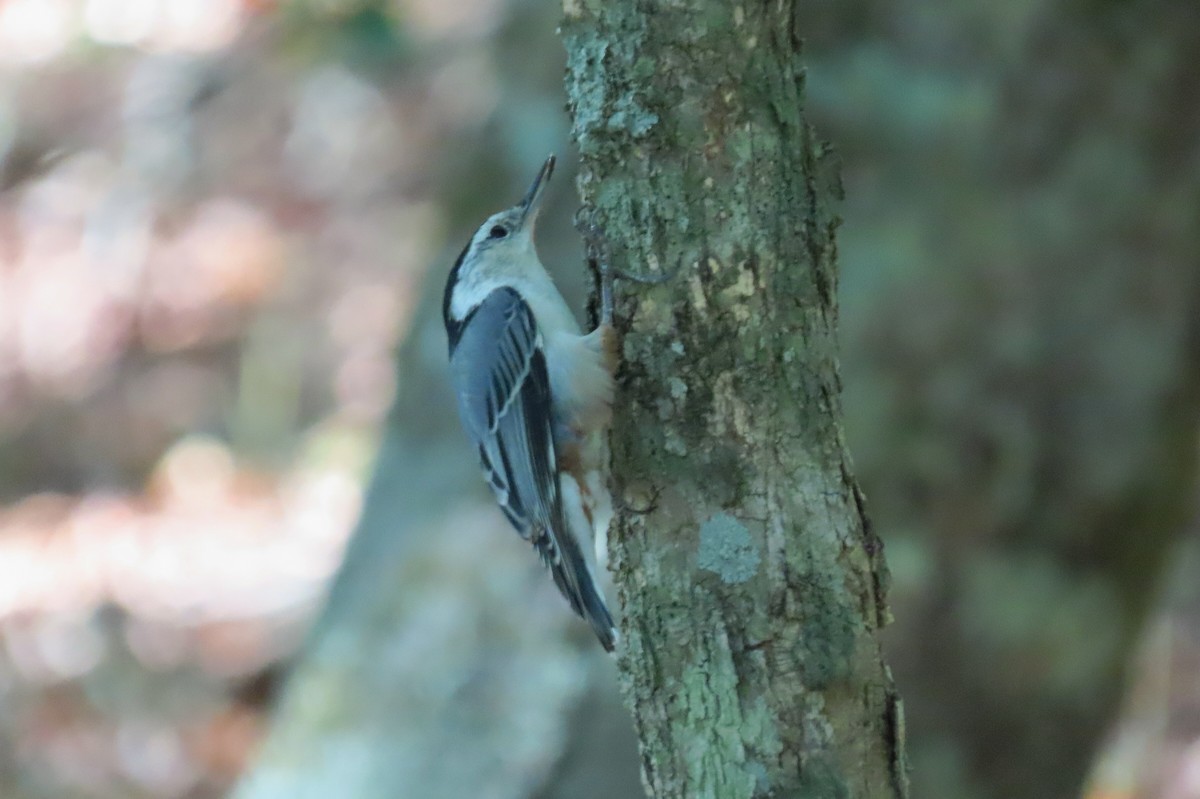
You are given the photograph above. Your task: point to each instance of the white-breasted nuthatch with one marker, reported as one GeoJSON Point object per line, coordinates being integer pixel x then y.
{"type": "Point", "coordinates": [535, 396]}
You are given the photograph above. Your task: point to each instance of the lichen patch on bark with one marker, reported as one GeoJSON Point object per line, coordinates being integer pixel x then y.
{"type": "Point", "coordinates": [727, 549]}
{"type": "Point", "coordinates": [750, 662]}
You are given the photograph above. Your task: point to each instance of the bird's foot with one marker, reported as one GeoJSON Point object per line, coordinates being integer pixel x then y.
{"type": "Point", "coordinates": [646, 280]}
{"type": "Point", "coordinates": [599, 257]}
{"type": "Point", "coordinates": [644, 510]}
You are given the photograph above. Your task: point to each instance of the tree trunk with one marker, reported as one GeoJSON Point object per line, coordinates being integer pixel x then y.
{"type": "Point", "coordinates": [751, 582]}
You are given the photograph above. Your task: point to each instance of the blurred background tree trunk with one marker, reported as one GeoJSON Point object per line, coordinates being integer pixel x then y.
{"type": "Point", "coordinates": [751, 582]}
{"type": "Point", "coordinates": [444, 663]}
{"type": "Point", "coordinates": [1022, 298]}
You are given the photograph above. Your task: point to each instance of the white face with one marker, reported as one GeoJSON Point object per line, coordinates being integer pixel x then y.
{"type": "Point", "coordinates": [501, 254]}
{"type": "Point", "coordinates": [501, 231]}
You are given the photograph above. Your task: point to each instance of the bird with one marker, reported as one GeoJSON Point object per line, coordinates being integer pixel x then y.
{"type": "Point", "coordinates": [534, 394]}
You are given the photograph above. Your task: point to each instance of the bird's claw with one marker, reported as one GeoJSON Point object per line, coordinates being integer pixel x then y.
{"type": "Point", "coordinates": [646, 280]}
{"type": "Point", "coordinates": [650, 507]}
{"type": "Point", "coordinates": [599, 258]}
{"type": "Point", "coordinates": [598, 255]}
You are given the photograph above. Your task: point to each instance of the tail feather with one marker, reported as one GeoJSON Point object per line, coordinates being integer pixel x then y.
{"type": "Point", "coordinates": [596, 613]}
{"type": "Point", "coordinates": [576, 582]}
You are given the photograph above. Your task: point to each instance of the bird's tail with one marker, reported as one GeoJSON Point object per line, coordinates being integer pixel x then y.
{"type": "Point", "coordinates": [574, 578]}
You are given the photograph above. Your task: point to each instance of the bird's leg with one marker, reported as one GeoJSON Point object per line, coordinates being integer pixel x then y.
{"type": "Point", "coordinates": [647, 280]}
{"type": "Point", "coordinates": [599, 260]}
{"type": "Point", "coordinates": [644, 510]}
{"type": "Point", "coordinates": [605, 268]}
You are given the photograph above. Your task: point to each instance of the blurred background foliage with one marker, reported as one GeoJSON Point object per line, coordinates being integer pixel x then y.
{"type": "Point", "coordinates": [224, 226]}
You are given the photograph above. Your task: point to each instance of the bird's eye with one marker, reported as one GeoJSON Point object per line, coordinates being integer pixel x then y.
{"type": "Point", "coordinates": [498, 232]}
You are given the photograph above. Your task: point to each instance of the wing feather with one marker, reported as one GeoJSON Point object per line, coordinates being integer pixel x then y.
{"type": "Point", "coordinates": [498, 365]}
{"type": "Point", "coordinates": [499, 371]}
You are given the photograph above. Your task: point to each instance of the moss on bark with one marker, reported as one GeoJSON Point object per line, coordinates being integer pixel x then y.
{"type": "Point", "coordinates": [751, 583]}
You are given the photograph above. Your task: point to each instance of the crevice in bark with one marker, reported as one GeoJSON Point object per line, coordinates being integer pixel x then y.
{"type": "Point", "coordinates": [753, 588]}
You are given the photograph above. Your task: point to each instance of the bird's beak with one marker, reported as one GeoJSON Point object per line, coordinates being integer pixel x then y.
{"type": "Point", "coordinates": [533, 198]}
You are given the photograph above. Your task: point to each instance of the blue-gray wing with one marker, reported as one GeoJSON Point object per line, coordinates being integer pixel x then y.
{"type": "Point", "coordinates": [498, 367]}
{"type": "Point", "coordinates": [499, 372]}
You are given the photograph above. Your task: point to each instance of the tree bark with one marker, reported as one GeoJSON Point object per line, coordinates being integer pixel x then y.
{"type": "Point", "coordinates": [751, 583]}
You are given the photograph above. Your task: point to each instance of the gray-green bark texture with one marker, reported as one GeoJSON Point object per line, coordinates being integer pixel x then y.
{"type": "Point", "coordinates": [751, 584]}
